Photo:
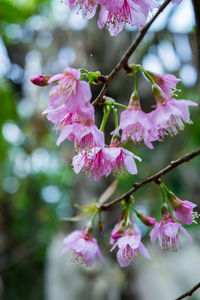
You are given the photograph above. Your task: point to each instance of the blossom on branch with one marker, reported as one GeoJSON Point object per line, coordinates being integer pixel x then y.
{"type": "Point", "coordinates": [88, 7]}
{"type": "Point", "coordinates": [170, 114]}
{"type": "Point", "coordinates": [128, 240]}
{"type": "Point", "coordinates": [136, 125]}
{"type": "Point", "coordinates": [69, 91]}
{"type": "Point", "coordinates": [85, 247]}
{"type": "Point", "coordinates": [102, 161]}
{"type": "Point", "coordinates": [182, 209]}
{"type": "Point", "coordinates": [116, 15]}
{"type": "Point", "coordinates": [166, 82]}
{"type": "Point", "coordinates": [167, 232]}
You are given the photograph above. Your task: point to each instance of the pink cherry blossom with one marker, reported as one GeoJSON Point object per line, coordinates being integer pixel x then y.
{"type": "Point", "coordinates": [170, 116]}
{"type": "Point", "coordinates": [116, 15]}
{"type": "Point", "coordinates": [78, 127]}
{"type": "Point", "coordinates": [85, 247]}
{"type": "Point", "coordinates": [95, 163]}
{"type": "Point", "coordinates": [122, 160]}
{"type": "Point", "coordinates": [182, 209]}
{"type": "Point", "coordinates": [88, 6]}
{"type": "Point", "coordinates": [69, 91]}
{"type": "Point", "coordinates": [102, 161]}
{"type": "Point", "coordinates": [167, 232]}
{"type": "Point", "coordinates": [166, 82]}
{"type": "Point", "coordinates": [129, 242]}
{"type": "Point", "coordinates": [184, 212]}
{"type": "Point", "coordinates": [137, 125]}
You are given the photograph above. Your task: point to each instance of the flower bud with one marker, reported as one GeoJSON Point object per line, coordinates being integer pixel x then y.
{"type": "Point", "coordinates": [148, 221]}
{"type": "Point", "coordinates": [41, 80]}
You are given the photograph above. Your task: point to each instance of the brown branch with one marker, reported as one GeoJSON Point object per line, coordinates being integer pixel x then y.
{"type": "Point", "coordinates": [124, 60]}
{"type": "Point", "coordinates": [155, 178]}
{"type": "Point", "coordinates": [190, 292]}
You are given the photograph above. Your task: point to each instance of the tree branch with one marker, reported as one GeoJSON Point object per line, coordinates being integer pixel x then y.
{"type": "Point", "coordinates": [155, 178]}
{"type": "Point", "coordinates": [190, 292]}
{"type": "Point", "coordinates": [124, 60]}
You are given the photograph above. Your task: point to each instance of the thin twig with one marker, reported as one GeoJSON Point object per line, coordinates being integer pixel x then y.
{"type": "Point", "coordinates": [190, 292]}
{"type": "Point", "coordinates": [154, 178]}
{"type": "Point", "coordinates": [124, 60]}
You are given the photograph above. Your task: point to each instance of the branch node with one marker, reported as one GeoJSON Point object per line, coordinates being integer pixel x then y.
{"type": "Point", "coordinates": [158, 181]}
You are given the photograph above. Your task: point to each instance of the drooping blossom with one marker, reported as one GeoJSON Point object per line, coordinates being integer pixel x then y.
{"type": "Point", "coordinates": [167, 232]}
{"type": "Point", "coordinates": [117, 15]}
{"type": "Point", "coordinates": [182, 209]}
{"type": "Point", "coordinates": [136, 125]}
{"type": "Point", "coordinates": [128, 240]}
{"type": "Point", "coordinates": [166, 82]}
{"type": "Point", "coordinates": [88, 7]}
{"type": "Point", "coordinates": [69, 91]}
{"type": "Point", "coordinates": [84, 246]}
{"type": "Point", "coordinates": [170, 115]}
{"type": "Point", "coordinates": [104, 160]}
{"type": "Point", "coordinates": [122, 160]}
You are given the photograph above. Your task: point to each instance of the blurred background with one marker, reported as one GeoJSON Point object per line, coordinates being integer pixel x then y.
{"type": "Point", "coordinates": [37, 184]}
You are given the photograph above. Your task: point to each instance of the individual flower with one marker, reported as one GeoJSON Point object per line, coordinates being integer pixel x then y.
{"type": "Point", "coordinates": [128, 242]}
{"type": "Point", "coordinates": [182, 209]}
{"type": "Point", "coordinates": [170, 116]}
{"type": "Point", "coordinates": [102, 161]}
{"type": "Point", "coordinates": [166, 82]}
{"type": "Point", "coordinates": [122, 160]}
{"type": "Point", "coordinates": [95, 162]}
{"type": "Point", "coordinates": [136, 125]}
{"type": "Point", "coordinates": [69, 91]}
{"type": "Point", "coordinates": [85, 247]}
{"type": "Point", "coordinates": [77, 127]}
{"type": "Point", "coordinates": [167, 232]}
{"type": "Point", "coordinates": [88, 7]}
{"type": "Point", "coordinates": [116, 15]}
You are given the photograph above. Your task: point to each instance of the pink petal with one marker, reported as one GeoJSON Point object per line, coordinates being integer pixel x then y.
{"type": "Point", "coordinates": [183, 230]}
{"type": "Point", "coordinates": [144, 251]}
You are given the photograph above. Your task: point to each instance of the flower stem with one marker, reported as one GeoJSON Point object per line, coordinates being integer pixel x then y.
{"type": "Point", "coordinates": [115, 116]}
{"type": "Point", "coordinates": [163, 193]}
{"type": "Point", "coordinates": [106, 113]}
{"type": "Point", "coordinates": [146, 73]}
{"type": "Point", "coordinates": [119, 104]}
{"type": "Point", "coordinates": [91, 222]}
{"type": "Point", "coordinates": [136, 82]}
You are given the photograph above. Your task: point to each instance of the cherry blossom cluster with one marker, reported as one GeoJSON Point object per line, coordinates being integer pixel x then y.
{"type": "Point", "coordinates": [115, 14]}
{"type": "Point", "coordinates": [73, 115]}
{"type": "Point", "coordinates": [126, 236]}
